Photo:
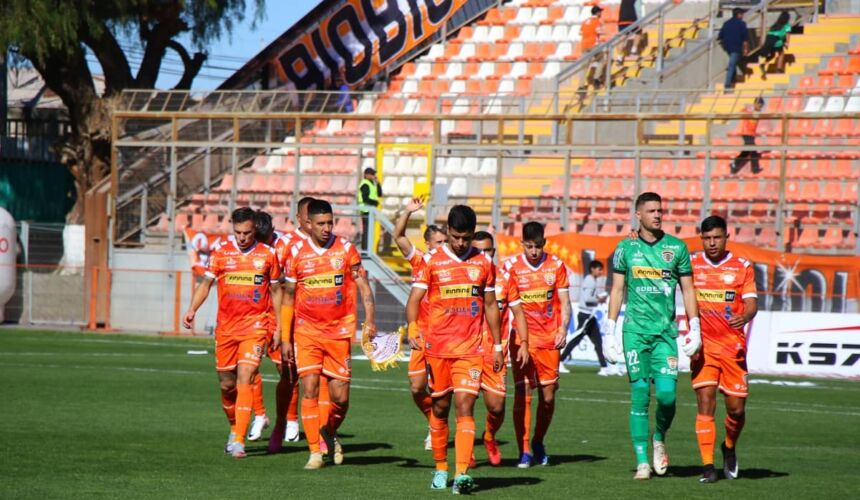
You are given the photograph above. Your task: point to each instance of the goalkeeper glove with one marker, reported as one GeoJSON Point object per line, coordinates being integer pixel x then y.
{"type": "Point", "coordinates": [611, 349]}
{"type": "Point", "coordinates": [693, 339]}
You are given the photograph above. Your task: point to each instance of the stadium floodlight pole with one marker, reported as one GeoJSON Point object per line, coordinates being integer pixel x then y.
{"type": "Point", "coordinates": [705, 208]}
{"type": "Point", "coordinates": [661, 21]}
{"type": "Point", "coordinates": [780, 207]}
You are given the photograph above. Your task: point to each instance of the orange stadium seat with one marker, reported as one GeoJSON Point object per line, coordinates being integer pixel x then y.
{"type": "Point", "coordinates": [834, 66]}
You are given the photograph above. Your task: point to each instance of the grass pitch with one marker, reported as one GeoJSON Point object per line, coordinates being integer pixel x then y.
{"type": "Point", "coordinates": [132, 416]}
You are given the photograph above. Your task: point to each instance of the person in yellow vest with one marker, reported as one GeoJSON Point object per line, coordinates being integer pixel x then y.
{"type": "Point", "coordinates": [369, 194]}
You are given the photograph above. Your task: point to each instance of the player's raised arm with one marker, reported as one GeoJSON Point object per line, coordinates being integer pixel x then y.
{"type": "Point", "coordinates": [360, 278]}
{"type": "Point", "coordinates": [412, 306]}
{"type": "Point", "coordinates": [197, 300]}
{"type": "Point", "coordinates": [400, 238]}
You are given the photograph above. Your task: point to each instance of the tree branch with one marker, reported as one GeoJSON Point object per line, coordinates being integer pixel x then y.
{"type": "Point", "coordinates": [192, 64]}
{"type": "Point", "coordinates": [168, 24]}
{"type": "Point", "coordinates": [114, 63]}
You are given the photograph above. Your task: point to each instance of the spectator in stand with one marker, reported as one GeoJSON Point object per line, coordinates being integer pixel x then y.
{"type": "Point", "coordinates": [369, 195]}
{"type": "Point", "coordinates": [626, 17]}
{"type": "Point", "coordinates": [749, 127]}
{"type": "Point", "coordinates": [774, 44]}
{"type": "Point", "coordinates": [735, 39]}
{"type": "Point", "coordinates": [344, 99]}
{"type": "Point", "coordinates": [592, 31]}
{"type": "Point", "coordinates": [592, 293]}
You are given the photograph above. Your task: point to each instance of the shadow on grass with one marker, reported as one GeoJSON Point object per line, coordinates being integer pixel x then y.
{"type": "Point", "coordinates": [491, 483]}
{"type": "Point", "coordinates": [359, 447]}
{"type": "Point", "coordinates": [558, 460]}
{"type": "Point", "coordinates": [379, 460]}
{"type": "Point", "coordinates": [696, 471]}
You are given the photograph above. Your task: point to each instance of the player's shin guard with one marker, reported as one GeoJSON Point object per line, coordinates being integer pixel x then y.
{"type": "Point", "coordinates": [257, 395]}
{"type": "Point", "coordinates": [311, 423]}
{"type": "Point", "coordinates": [228, 403]}
{"type": "Point", "coordinates": [336, 416]}
{"type": "Point", "coordinates": [733, 429]}
{"type": "Point", "coordinates": [640, 396]}
{"type": "Point", "coordinates": [494, 423]}
{"type": "Point", "coordinates": [424, 403]}
{"type": "Point", "coordinates": [439, 441]}
{"type": "Point", "coordinates": [706, 431]}
{"type": "Point", "coordinates": [464, 443]}
{"type": "Point", "coordinates": [324, 401]}
{"type": "Point", "coordinates": [664, 391]}
{"type": "Point", "coordinates": [544, 418]}
{"type": "Point", "coordinates": [244, 399]}
{"type": "Point", "coordinates": [522, 416]}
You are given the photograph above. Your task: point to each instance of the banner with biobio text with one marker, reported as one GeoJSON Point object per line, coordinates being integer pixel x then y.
{"type": "Point", "coordinates": [358, 39]}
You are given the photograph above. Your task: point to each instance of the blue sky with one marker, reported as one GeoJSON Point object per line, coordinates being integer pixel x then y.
{"type": "Point", "coordinates": [231, 52]}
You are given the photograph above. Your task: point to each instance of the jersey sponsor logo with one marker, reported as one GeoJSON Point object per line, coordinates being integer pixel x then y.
{"type": "Point", "coordinates": [704, 295]}
{"type": "Point", "coordinates": [649, 289]}
{"type": "Point", "coordinates": [444, 276]}
{"type": "Point", "coordinates": [817, 353]}
{"type": "Point", "coordinates": [668, 255]}
{"type": "Point", "coordinates": [459, 291]}
{"type": "Point", "coordinates": [244, 279]}
{"type": "Point", "coordinates": [473, 272]}
{"type": "Point", "coordinates": [643, 272]}
{"type": "Point", "coordinates": [534, 296]}
{"type": "Point", "coordinates": [323, 281]}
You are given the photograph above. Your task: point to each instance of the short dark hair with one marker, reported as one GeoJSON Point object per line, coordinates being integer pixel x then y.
{"type": "Point", "coordinates": [714, 222]}
{"type": "Point", "coordinates": [595, 264]}
{"type": "Point", "coordinates": [737, 11]}
{"type": "Point", "coordinates": [433, 228]}
{"type": "Point", "coordinates": [533, 231]}
{"type": "Point", "coordinates": [596, 10]}
{"type": "Point", "coordinates": [462, 218]}
{"type": "Point", "coordinates": [263, 227]}
{"type": "Point", "coordinates": [646, 197]}
{"type": "Point", "coordinates": [759, 100]}
{"type": "Point", "coordinates": [483, 236]}
{"type": "Point", "coordinates": [242, 214]}
{"type": "Point", "coordinates": [319, 207]}
{"type": "Point", "coordinates": [304, 201]}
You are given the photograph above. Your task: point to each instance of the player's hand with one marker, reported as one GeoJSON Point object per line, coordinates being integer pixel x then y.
{"type": "Point", "coordinates": [188, 319]}
{"type": "Point", "coordinates": [415, 204]}
{"type": "Point", "coordinates": [611, 349]}
{"type": "Point", "coordinates": [523, 354]}
{"type": "Point", "coordinates": [693, 339]}
{"type": "Point", "coordinates": [276, 339]}
{"type": "Point", "coordinates": [369, 330]}
{"type": "Point", "coordinates": [416, 340]}
{"type": "Point", "coordinates": [498, 361]}
{"type": "Point", "coordinates": [561, 338]}
{"type": "Point", "coordinates": [737, 321]}
{"type": "Point", "coordinates": [287, 352]}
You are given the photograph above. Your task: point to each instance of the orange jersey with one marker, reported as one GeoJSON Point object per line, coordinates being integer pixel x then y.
{"type": "Point", "coordinates": [506, 296]}
{"type": "Point", "coordinates": [720, 292]}
{"type": "Point", "coordinates": [244, 287]}
{"type": "Point", "coordinates": [590, 31]}
{"type": "Point", "coordinates": [455, 290]}
{"type": "Point", "coordinates": [539, 289]}
{"type": "Point", "coordinates": [325, 303]}
{"type": "Point", "coordinates": [749, 126]}
{"type": "Point", "coordinates": [416, 260]}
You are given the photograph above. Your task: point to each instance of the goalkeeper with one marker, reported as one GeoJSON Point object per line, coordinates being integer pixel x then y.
{"type": "Point", "coordinates": [649, 268]}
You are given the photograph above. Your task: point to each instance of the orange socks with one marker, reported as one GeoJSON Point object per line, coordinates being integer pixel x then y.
{"type": "Point", "coordinates": [257, 388]}
{"type": "Point", "coordinates": [523, 418]}
{"type": "Point", "coordinates": [544, 418]}
{"type": "Point", "coordinates": [494, 423]}
{"type": "Point", "coordinates": [324, 401]}
{"type": "Point", "coordinates": [733, 430]}
{"type": "Point", "coordinates": [311, 423]}
{"type": "Point", "coordinates": [424, 402]}
{"type": "Point", "coordinates": [293, 409]}
{"type": "Point", "coordinates": [464, 442]}
{"type": "Point", "coordinates": [706, 431]}
{"type": "Point", "coordinates": [228, 402]}
{"type": "Point", "coordinates": [439, 441]}
{"type": "Point", "coordinates": [337, 414]}
{"type": "Point", "coordinates": [244, 397]}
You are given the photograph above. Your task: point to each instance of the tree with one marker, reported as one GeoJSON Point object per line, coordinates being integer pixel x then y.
{"type": "Point", "coordinates": [55, 35]}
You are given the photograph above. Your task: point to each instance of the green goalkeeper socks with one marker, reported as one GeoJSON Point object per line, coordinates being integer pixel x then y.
{"type": "Point", "coordinates": [639, 398]}
{"type": "Point", "coordinates": [665, 394]}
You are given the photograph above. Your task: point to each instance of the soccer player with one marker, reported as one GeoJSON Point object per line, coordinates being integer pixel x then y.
{"type": "Point", "coordinates": [727, 299]}
{"type": "Point", "coordinates": [319, 274]}
{"type": "Point", "coordinates": [543, 284]}
{"type": "Point", "coordinates": [460, 283]}
{"type": "Point", "coordinates": [650, 267]}
{"type": "Point", "coordinates": [434, 237]}
{"type": "Point", "coordinates": [246, 272]}
{"type": "Point", "coordinates": [493, 384]}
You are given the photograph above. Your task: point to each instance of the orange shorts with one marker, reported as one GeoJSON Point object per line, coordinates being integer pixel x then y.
{"type": "Point", "coordinates": [491, 381]}
{"type": "Point", "coordinates": [331, 357]}
{"type": "Point", "coordinates": [454, 374]}
{"type": "Point", "coordinates": [541, 370]}
{"type": "Point", "coordinates": [729, 373]}
{"type": "Point", "coordinates": [417, 363]}
{"type": "Point", "coordinates": [230, 352]}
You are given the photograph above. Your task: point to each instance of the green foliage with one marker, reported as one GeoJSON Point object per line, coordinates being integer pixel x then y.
{"type": "Point", "coordinates": [136, 417]}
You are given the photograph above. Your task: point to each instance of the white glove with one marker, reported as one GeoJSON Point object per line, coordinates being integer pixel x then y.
{"type": "Point", "coordinates": [693, 339]}
{"type": "Point", "coordinates": [611, 350]}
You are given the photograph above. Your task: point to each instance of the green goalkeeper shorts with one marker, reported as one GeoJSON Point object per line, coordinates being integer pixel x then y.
{"type": "Point", "coordinates": [650, 355]}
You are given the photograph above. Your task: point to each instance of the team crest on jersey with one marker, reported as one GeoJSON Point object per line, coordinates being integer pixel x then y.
{"type": "Point", "coordinates": [258, 350]}
{"type": "Point", "coordinates": [673, 362]}
{"type": "Point", "coordinates": [668, 255]}
{"type": "Point", "coordinates": [728, 278]}
{"type": "Point", "coordinates": [259, 264]}
{"type": "Point", "coordinates": [549, 278]}
{"type": "Point", "coordinates": [474, 373]}
{"type": "Point", "coordinates": [473, 273]}
{"type": "Point", "coordinates": [336, 262]}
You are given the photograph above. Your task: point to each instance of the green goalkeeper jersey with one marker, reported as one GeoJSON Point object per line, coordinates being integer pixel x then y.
{"type": "Point", "coordinates": [652, 272]}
